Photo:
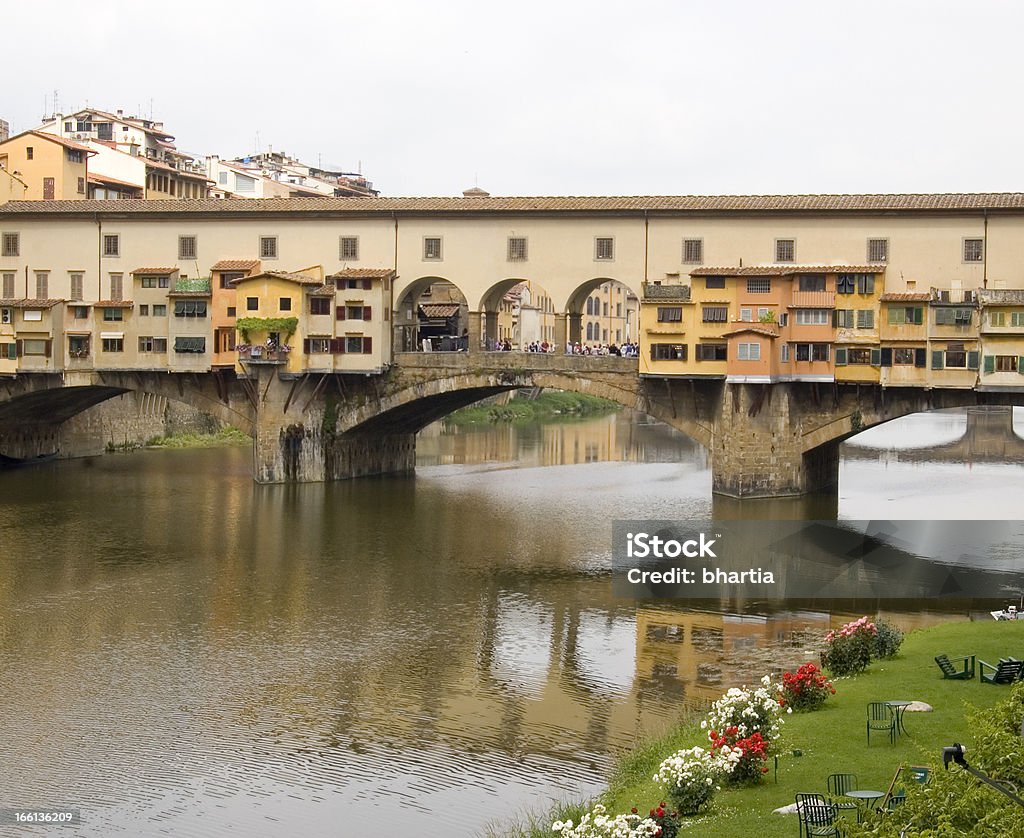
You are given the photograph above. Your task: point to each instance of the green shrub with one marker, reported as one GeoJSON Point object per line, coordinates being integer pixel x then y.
{"type": "Point", "coordinates": [888, 640]}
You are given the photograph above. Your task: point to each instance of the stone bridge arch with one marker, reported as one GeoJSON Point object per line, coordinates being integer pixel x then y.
{"type": "Point", "coordinates": [33, 407]}
{"type": "Point", "coordinates": [419, 395]}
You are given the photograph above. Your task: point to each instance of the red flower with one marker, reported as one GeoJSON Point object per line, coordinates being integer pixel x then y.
{"type": "Point", "coordinates": [633, 810]}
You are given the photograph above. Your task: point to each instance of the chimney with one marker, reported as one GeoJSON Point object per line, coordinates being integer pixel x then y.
{"type": "Point", "coordinates": [120, 112]}
{"type": "Point", "coordinates": [475, 192]}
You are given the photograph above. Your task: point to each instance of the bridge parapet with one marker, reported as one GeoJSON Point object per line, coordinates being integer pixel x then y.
{"type": "Point", "coordinates": [518, 361]}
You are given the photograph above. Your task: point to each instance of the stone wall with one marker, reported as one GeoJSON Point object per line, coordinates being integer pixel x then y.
{"type": "Point", "coordinates": [129, 420]}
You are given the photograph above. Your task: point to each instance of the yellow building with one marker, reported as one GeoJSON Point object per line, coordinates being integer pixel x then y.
{"type": "Point", "coordinates": [1002, 338]}
{"type": "Point", "coordinates": [49, 168]}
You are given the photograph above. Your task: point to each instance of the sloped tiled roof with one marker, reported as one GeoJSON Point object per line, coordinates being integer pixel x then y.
{"type": "Point", "coordinates": [364, 273]}
{"type": "Point", "coordinates": [439, 309]}
{"type": "Point", "coordinates": [236, 265]}
{"type": "Point", "coordinates": [27, 303]}
{"type": "Point", "coordinates": [759, 328]}
{"type": "Point", "coordinates": [300, 279]}
{"type": "Point", "coordinates": [906, 297]}
{"type": "Point", "coordinates": [788, 270]}
{"type": "Point", "coordinates": [156, 271]}
{"type": "Point", "coordinates": [684, 204]}
{"type": "Point", "coordinates": [114, 304]}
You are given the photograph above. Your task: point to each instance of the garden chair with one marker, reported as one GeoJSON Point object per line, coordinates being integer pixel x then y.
{"type": "Point", "coordinates": [957, 669]}
{"type": "Point", "coordinates": [881, 717]}
{"type": "Point", "coordinates": [1005, 672]}
{"type": "Point", "coordinates": [817, 817]}
{"type": "Point", "coordinates": [839, 785]}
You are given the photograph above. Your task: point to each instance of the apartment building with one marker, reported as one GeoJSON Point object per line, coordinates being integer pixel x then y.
{"type": "Point", "coordinates": [48, 168]}
{"type": "Point", "coordinates": [134, 157]}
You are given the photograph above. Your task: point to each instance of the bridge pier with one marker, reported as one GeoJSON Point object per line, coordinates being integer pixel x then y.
{"type": "Point", "coordinates": [294, 438]}
{"type": "Point", "coordinates": [758, 445]}
{"type": "Point", "coordinates": [29, 441]}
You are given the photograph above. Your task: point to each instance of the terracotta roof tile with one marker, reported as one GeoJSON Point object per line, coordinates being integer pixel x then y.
{"type": "Point", "coordinates": [301, 279]}
{"type": "Point", "coordinates": [759, 328]}
{"type": "Point", "coordinates": [439, 309]}
{"type": "Point", "coordinates": [323, 291]}
{"type": "Point", "coordinates": [366, 273]}
{"type": "Point", "coordinates": [788, 270]}
{"type": "Point", "coordinates": [684, 204]}
{"type": "Point", "coordinates": [156, 271]}
{"type": "Point", "coordinates": [113, 304]}
{"type": "Point", "coordinates": [906, 296]}
{"type": "Point", "coordinates": [96, 178]}
{"type": "Point", "coordinates": [236, 265]}
{"type": "Point", "coordinates": [29, 303]}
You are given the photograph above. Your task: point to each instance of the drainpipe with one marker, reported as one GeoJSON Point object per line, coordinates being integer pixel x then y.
{"type": "Point", "coordinates": [99, 256]}
{"type": "Point", "coordinates": [984, 251]}
{"type": "Point", "coordinates": [646, 242]}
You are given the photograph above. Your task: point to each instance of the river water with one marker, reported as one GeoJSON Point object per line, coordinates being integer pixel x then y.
{"type": "Point", "coordinates": [186, 653]}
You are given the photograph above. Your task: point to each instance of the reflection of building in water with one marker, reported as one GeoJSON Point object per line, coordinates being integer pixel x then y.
{"type": "Point", "coordinates": [707, 652]}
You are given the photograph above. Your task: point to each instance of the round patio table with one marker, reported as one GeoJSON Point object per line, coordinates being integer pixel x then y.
{"type": "Point", "coordinates": [864, 798]}
{"type": "Point", "coordinates": [899, 708]}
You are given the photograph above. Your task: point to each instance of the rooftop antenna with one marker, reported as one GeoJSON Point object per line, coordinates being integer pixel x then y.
{"type": "Point", "coordinates": [257, 149]}
{"type": "Point", "coordinates": [56, 107]}
{"type": "Point", "coordinates": [150, 108]}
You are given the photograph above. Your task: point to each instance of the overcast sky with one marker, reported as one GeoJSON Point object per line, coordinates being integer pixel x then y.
{"type": "Point", "coordinates": [557, 97]}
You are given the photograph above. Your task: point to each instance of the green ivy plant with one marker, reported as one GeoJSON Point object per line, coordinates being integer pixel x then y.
{"type": "Point", "coordinates": [247, 325]}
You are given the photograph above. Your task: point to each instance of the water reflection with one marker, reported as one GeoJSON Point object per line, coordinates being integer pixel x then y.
{"type": "Point", "coordinates": [199, 655]}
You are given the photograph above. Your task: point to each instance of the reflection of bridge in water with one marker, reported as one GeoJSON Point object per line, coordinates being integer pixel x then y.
{"type": "Point", "coordinates": [988, 437]}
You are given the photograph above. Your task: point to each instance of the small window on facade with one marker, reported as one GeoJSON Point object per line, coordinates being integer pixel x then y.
{"type": "Point", "coordinates": [974, 250]}
{"type": "Point", "coordinates": [749, 351]}
{"type": "Point", "coordinates": [268, 247]}
{"type": "Point", "coordinates": [187, 247]}
{"type": "Point", "coordinates": [8, 286]}
{"type": "Point", "coordinates": [693, 251]}
{"type": "Point", "coordinates": [111, 245]}
{"type": "Point", "coordinates": [432, 248]}
{"type": "Point", "coordinates": [670, 314]}
{"type": "Point", "coordinates": [113, 315]}
{"type": "Point", "coordinates": [785, 250]}
{"type": "Point", "coordinates": [348, 248]}
{"type": "Point", "coordinates": [715, 314]}
{"type": "Point", "coordinates": [604, 249]}
{"type": "Point", "coordinates": [42, 285]}
{"type": "Point", "coordinates": [160, 310]}
{"type": "Point", "coordinates": [81, 186]}
{"type": "Point", "coordinates": [113, 344]}
{"type": "Point", "coordinates": [878, 250]}
{"type": "Point", "coordinates": [117, 286]}
{"type": "Point", "coordinates": [811, 282]}
{"type": "Point", "coordinates": [759, 285]}
{"type": "Point", "coordinates": [252, 303]}
{"type": "Point", "coordinates": [30, 153]}
{"type": "Point", "coordinates": [285, 304]}
{"type": "Point", "coordinates": [714, 282]}
{"type": "Point", "coordinates": [516, 249]}
{"type": "Point", "coordinates": [77, 282]}
{"type": "Point", "coordinates": [319, 305]}
{"type": "Point", "coordinates": [11, 244]}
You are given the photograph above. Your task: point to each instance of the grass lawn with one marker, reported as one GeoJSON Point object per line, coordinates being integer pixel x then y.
{"type": "Point", "coordinates": [833, 739]}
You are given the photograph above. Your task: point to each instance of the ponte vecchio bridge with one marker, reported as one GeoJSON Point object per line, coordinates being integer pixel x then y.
{"type": "Point", "coordinates": [764, 439]}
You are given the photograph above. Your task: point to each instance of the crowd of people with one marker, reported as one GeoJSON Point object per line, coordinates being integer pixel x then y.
{"type": "Point", "coordinates": [626, 350]}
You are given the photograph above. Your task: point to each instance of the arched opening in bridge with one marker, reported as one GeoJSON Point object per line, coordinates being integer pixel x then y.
{"type": "Point", "coordinates": [602, 312]}
{"type": "Point", "coordinates": [49, 420]}
{"type": "Point", "coordinates": [431, 315]}
{"type": "Point", "coordinates": [517, 313]}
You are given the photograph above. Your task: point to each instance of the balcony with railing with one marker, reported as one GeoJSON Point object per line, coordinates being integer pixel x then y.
{"type": "Point", "coordinates": [263, 354]}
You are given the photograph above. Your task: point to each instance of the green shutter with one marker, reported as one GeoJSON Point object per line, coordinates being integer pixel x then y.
{"type": "Point", "coordinates": [990, 364]}
{"type": "Point", "coordinates": [1020, 364]}
{"type": "Point", "coordinates": [937, 358]}
{"type": "Point", "coordinates": [972, 359]}
{"type": "Point", "coordinates": [918, 316]}
{"type": "Point", "coordinates": [840, 357]}
{"type": "Point", "coordinates": [876, 357]}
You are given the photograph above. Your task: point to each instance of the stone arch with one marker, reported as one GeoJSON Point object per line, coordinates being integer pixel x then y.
{"type": "Point", "coordinates": [611, 326]}
{"type": "Point", "coordinates": [490, 314]}
{"type": "Point", "coordinates": [410, 328]}
{"type": "Point", "coordinates": [411, 408]}
{"type": "Point", "coordinates": [33, 407]}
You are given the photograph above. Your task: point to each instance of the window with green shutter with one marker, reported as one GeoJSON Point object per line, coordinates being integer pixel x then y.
{"type": "Point", "coordinates": [989, 364]}
{"type": "Point", "coordinates": [937, 357]}
{"type": "Point", "coordinates": [841, 357]}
